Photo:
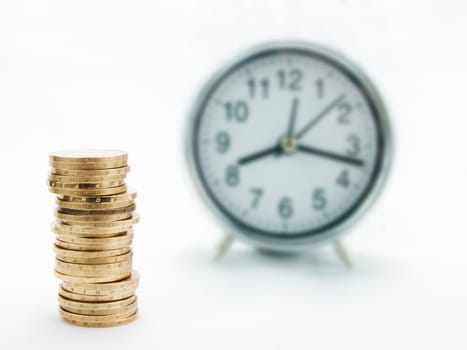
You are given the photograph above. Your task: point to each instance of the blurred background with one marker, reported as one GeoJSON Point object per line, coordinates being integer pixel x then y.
{"type": "Point", "coordinates": [120, 74]}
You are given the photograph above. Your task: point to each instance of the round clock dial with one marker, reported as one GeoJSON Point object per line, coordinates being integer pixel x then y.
{"type": "Point", "coordinates": [288, 143]}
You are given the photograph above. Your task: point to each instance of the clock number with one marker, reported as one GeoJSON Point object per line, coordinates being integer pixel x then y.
{"type": "Point", "coordinates": [222, 142]}
{"type": "Point", "coordinates": [238, 111]}
{"type": "Point", "coordinates": [281, 76]}
{"type": "Point", "coordinates": [257, 194]}
{"type": "Point", "coordinates": [345, 109]}
{"type": "Point", "coordinates": [263, 86]}
{"type": "Point", "coordinates": [285, 207]}
{"type": "Point", "coordinates": [318, 199]}
{"type": "Point", "coordinates": [343, 178]}
{"type": "Point", "coordinates": [232, 176]}
{"type": "Point", "coordinates": [319, 88]}
{"type": "Point", "coordinates": [290, 80]}
{"type": "Point", "coordinates": [295, 79]}
{"type": "Point", "coordinates": [354, 145]}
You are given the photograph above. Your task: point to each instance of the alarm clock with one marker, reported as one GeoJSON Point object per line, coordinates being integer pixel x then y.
{"type": "Point", "coordinates": [289, 145]}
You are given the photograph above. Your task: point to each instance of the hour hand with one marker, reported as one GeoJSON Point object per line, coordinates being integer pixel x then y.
{"type": "Point", "coordinates": [330, 155]}
{"type": "Point", "coordinates": [259, 154]}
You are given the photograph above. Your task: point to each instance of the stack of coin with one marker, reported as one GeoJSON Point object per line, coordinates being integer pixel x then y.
{"type": "Point", "coordinates": [95, 215]}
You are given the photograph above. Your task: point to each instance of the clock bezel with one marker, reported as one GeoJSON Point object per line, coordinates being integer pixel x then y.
{"type": "Point", "coordinates": [329, 231]}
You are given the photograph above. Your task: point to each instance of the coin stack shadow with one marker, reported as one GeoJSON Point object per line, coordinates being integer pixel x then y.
{"type": "Point", "coordinates": [94, 218]}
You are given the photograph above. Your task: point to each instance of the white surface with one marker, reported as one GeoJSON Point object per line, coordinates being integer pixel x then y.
{"type": "Point", "coordinates": [119, 74]}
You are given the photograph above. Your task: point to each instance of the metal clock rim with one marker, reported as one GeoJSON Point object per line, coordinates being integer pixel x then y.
{"type": "Point", "coordinates": [293, 243]}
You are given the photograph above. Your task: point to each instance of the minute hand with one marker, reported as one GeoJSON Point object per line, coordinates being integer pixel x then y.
{"type": "Point", "coordinates": [320, 116]}
{"type": "Point", "coordinates": [330, 155]}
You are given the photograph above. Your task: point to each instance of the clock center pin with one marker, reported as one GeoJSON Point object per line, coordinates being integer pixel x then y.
{"type": "Point", "coordinates": [289, 144]}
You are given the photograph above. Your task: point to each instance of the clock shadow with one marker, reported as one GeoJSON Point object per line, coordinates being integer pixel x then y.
{"type": "Point", "coordinates": [322, 262]}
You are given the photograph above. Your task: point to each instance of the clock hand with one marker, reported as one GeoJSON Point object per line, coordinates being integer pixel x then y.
{"type": "Point", "coordinates": [330, 155]}
{"type": "Point", "coordinates": [293, 117]}
{"type": "Point", "coordinates": [278, 149]}
{"type": "Point", "coordinates": [258, 155]}
{"type": "Point", "coordinates": [288, 140]}
{"type": "Point", "coordinates": [318, 117]}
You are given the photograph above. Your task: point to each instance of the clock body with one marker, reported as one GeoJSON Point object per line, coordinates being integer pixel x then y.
{"type": "Point", "coordinates": [288, 145]}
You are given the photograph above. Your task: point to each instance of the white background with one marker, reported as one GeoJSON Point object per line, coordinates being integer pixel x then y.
{"type": "Point", "coordinates": [123, 74]}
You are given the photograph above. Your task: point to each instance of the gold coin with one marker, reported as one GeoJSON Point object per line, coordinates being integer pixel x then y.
{"type": "Point", "coordinates": [126, 209]}
{"type": "Point", "coordinates": [118, 322]}
{"type": "Point", "coordinates": [96, 261]}
{"type": "Point", "coordinates": [97, 312]}
{"type": "Point", "coordinates": [130, 283]}
{"type": "Point", "coordinates": [101, 206]}
{"type": "Point", "coordinates": [107, 276]}
{"type": "Point", "coordinates": [88, 166]}
{"type": "Point", "coordinates": [85, 156]}
{"type": "Point", "coordinates": [104, 224]}
{"type": "Point", "coordinates": [111, 293]}
{"type": "Point", "coordinates": [88, 191]}
{"type": "Point", "coordinates": [66, 179]}
{"type": "Point", "coordinates": [83, 231]}
{"type": "Point", "coordinates": [92, 247]}
{"type": "Point", "coordinates": [86, 186]}
{"type": "Point", "coordinates": [69, 253]}
{"type": "Point", "coordinates": [126, 312]}
{"type": "Point", "coordinates": [130, 194]}
{"type": "Point", "coordinates": [61, 266]}
{"type": "Point", "coordinates": [116, 295]}
{"type": "Point", "coordinates": [102, 305]}
{"type": "Point", "coordinates": [99, 318]}
{"type": "Point", "coordinates": [92, 270]}
{"type": "Point", "coordinates": [93, 234]}
{"type": "Point", "coordinates": [96, 172]}
{"type": "Point", "coordinates": [65, 266]}
{"type": "Point", "coordinates": [86, 220]}
{"type": "Point", "coordinates": [125, 237]}
{"type": "Point", "coordinates": [100, 312]}
{"type": "Point", "coordinates": [88, 279]}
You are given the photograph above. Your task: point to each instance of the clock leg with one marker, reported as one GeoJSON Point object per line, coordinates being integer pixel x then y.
{"type": "Point", "coordinates": [223, 247]}
{"type": "Point", "coordinates": [342, 253]}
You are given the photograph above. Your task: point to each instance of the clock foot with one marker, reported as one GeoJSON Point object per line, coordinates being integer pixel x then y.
{"type": "Point", "coordinates": [342, 254]}
{"type": "Point", "coordinates": [223, 247]}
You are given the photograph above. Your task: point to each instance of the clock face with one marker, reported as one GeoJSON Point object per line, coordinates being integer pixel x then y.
{"type": "Point", "coordinates": [287, 143]}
